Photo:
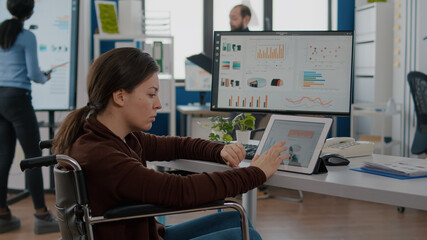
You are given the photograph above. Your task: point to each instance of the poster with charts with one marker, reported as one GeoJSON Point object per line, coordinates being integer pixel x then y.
{"type": "Point", "coordinates": [55, 25]}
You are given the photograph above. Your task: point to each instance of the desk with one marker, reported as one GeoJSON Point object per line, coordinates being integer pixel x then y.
{"type": "Point", "coordinates": [339, 181]}
{"type": "Point", "coordinates": [187, 112]}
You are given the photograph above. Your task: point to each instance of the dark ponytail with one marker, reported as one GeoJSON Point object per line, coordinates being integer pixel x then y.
{"type": "Point", "coordinates": [120, 68]}
{"type": "Point", "coordinates": [67, 135]}
{"type": "Point", "coordinates": [10, 29]}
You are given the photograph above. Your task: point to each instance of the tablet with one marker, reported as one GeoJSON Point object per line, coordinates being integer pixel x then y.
{"type": "Point", "coordinates": [304, 138]}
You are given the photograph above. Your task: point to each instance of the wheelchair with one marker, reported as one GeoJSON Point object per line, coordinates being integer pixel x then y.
{"type": "Point", "coordinates": [72, 205]}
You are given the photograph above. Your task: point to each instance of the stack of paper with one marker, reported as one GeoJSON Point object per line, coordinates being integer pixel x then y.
{"type": "Point", "coordinates": [410, 167]}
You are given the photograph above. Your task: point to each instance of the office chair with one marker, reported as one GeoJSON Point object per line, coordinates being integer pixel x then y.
{"type": "Point", "coordinates": [72, 205]}
{"type": "Point", "coordinates": [418, 85]}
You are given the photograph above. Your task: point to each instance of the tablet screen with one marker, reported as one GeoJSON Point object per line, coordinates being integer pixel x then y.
{"type": "Point", "coordinates": [301, 139]}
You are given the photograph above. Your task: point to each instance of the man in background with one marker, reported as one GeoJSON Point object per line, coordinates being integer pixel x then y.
{"type": "Point", "coordinates": [240, 16]}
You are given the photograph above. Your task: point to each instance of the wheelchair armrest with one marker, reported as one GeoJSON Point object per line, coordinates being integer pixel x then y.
{"type": "Point", "coordinates": [154, 210]}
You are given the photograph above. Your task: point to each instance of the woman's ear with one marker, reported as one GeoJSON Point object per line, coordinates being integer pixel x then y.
{"type": "Point", "coordinates": [119, 97]}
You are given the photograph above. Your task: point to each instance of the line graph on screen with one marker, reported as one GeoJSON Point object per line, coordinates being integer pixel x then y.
{"type": "Point", "coordinates": [309, 102]}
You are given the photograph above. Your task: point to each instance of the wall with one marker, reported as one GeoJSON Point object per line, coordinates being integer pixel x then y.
{"type": "Point", "coordinates": [345, 21]}
{"type": "Point", "coordinates": [410, 47]}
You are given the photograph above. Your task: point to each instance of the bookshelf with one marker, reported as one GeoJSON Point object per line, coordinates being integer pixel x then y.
{"type": "Point", "coordinates": [161, 48]}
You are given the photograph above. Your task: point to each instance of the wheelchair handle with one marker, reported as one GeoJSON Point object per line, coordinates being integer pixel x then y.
{"type": "Point", "coordinates": [46, 144]}
{"type": "Point", "coordinates": [49, 160]}
{"type": "Point", "coordinates": [38, 162]}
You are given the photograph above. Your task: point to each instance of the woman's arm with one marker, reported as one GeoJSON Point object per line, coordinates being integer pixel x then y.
{"type": "Point", "coordinates": [165, 148]}
{"type": "Point", "coordinates": [31, 59]}
{"type": "Point", "coordinates": [174, 190]}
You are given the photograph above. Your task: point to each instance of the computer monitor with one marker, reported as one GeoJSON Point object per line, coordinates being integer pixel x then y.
{"type": "Point", "coordinates": [198, 75]}
{"type": "Point", "coordinates": [295, 72]}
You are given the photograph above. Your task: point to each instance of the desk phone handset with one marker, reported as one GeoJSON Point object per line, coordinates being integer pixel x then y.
{"type": "Point", "coordinates": [347, 147]}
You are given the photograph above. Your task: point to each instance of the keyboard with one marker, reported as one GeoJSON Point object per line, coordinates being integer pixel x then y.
{"type": "Point", "coordinates": [249, 148]}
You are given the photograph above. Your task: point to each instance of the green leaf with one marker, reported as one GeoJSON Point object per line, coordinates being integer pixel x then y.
{"type": "Point", "coordinates": [220, 125]}
{"type": "Point", "coordinates": [213, 137]}
{"type": "Point", "coordinates": [250, 117]}
{"type": "Point", "coordinates": [227, 138]}
{"type": "Point", "coordinates": [249, 123]}
{"type": "Point", "coordinates": [244, 121]}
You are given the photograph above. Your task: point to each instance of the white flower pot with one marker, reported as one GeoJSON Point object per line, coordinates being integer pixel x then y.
{"type": "Point", "coordinates": [243, 136]}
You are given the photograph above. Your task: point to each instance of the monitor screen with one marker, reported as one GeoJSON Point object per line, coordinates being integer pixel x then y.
{"type": "Point", "coordinates": [298, 72]}
{"type": "Point", "coordinates": [196, 78]}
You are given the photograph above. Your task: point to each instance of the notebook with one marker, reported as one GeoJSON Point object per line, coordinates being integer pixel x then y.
{"type": "Point", "coordinates": [304, 138]}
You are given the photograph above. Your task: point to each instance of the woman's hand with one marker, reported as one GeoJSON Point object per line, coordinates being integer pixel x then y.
{"type": "Point", "coordinates": [47, 74]}
{"type": "Point", "coordinates": [270, 160]}
{"type": "Point", "coordinates": [233, 154]}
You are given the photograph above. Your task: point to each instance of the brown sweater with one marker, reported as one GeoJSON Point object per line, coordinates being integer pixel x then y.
{"type": "Point", "coordinates": [116, 174]}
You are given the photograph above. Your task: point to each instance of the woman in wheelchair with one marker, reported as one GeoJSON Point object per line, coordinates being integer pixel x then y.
{"type": "Point", "coordinates": [106, 137]}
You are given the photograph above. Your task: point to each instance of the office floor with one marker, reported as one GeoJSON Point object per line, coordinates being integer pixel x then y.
{"type": "Point", "coordinates": [318, 217]}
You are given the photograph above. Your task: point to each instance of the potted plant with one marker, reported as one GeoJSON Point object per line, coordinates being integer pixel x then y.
{"type": "Point", "coordinates": [221, 128]}
{"type": "Point", "coordinates": [245, 122]}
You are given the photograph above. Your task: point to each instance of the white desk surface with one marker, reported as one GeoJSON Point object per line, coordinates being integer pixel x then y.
{"type": "Point", "coordinates": [339, 181]}
{"type": "Point", "coordinates": [187, 112]}
{"type": "Point", "coordinates": [198, 109]}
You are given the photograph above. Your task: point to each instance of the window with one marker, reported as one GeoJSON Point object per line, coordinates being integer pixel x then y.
{"type": "Point", "coordinates": [300, 15]}
{"type": "Point", "coordinates": [186, 28]}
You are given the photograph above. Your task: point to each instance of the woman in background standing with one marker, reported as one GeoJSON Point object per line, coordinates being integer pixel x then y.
{"type": "Point", "coordinates": [19, 66]}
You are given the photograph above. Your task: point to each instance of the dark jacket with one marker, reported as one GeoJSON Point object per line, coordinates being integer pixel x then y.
{"type": "Point", "coordinates": [116, 173]}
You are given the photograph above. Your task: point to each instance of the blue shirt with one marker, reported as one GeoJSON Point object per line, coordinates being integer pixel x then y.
{"type": "Point", "coordinates": [19, 64]}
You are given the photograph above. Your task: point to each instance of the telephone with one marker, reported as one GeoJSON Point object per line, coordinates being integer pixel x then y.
{"type": "Point", "coordinates": [347, 147]}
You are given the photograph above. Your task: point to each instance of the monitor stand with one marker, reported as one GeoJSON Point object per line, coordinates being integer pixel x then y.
{"type": "Point", "coordinates": [202, 98]}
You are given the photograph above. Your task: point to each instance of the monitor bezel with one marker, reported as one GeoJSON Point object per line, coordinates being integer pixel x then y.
{"type": "Point", "coordinates": [216, 64]}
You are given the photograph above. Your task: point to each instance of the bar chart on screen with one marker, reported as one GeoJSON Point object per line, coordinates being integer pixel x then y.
{"type": "Point", "coordinates": [271, 52]}
{"type": "Point", "coordinates": [248, 101]}
{"type": "Point", "coordinates": [312, 78]}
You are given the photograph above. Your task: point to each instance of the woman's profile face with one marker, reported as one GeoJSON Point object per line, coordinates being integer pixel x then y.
{"type": "Point", "coordinates": [141, 105]}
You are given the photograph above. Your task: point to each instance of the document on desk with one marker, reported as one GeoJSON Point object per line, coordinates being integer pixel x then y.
{"type": "Point", "coordinates": [410, 168]}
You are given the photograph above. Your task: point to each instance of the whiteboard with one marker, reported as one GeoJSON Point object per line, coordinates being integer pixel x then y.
{"type": "Point", "coordinates": [56, 32]}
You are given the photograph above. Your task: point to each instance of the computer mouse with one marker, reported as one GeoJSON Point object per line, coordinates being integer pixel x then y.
{"type": "Point", "coordinates": [334, 160]}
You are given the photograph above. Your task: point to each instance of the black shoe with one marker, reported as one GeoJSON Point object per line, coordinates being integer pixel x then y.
{"type": "Point", "coordinates": [8, 222]}
{"type": "Point", "coordinates": [45, 223]}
